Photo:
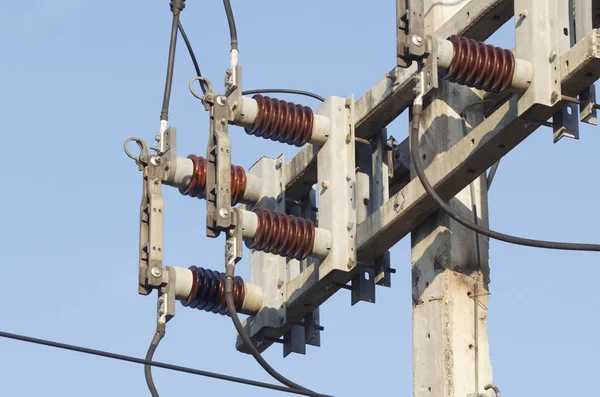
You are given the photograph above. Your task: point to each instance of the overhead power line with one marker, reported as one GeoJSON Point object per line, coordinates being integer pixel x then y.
{"type": "Point", "coordinates": [158, 364]}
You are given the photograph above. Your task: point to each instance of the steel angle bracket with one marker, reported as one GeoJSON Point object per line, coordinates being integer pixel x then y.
{"type": "Point", "coordinates": [566, 121]}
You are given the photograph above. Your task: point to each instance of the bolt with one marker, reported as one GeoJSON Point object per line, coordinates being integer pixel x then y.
{"type": "Point", "coordinates": [223, 121]}
{"type": "Point", "coordinates": [417, 40]}
{"type": "Point", "coordinates": [554, 96]}
{"type": "Point", "coordinates": [157, 138]}
{"type": "Point", "coordinates": [224, 213]}
{"type": "Point", "coordinates": [324, 184]}
{"type": "Point", "coordinates": [221, 100]}
{"type": "Point", "coordinates": [155, 160]}
{"type": "Point", "coordinates": [278, 164]}
{"type": "Point", "coordinates": [552, 56]}
{"type": "Point", "coordinates": [234, 105]}
{"type": "Point", "coordinates": [279, 283]}
{"type": "Point", "coordinates": [523, 13]}
{"type": "Point", "coordinates": [156, 272]}
{"type": "Point", "coordinates": [208, 97]}
{"type": "Point", "coordinates": [350, 225]}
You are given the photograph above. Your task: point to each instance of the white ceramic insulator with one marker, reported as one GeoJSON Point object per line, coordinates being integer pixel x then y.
{"type": "Point", "coordinates": [321, 128]}
{"type": "Point", "coordinates": [322, 245]}
{"type": "Point", "coordinates": [184, 168]}
{"type": "Point", "coordinates": [253, 192]}
{"type": "Point", "coordinates": [248, 112]}
{"type": "Point", "coordinates": [250, 224]}
{"type": "Point", "coordinates": [183, 283]}
{"type": "Point", "coordinates": [445, 53]}
{"type": "Point", "coordinates": [253, 299]}
{"type": "Point", "coordinates": [523, 75]}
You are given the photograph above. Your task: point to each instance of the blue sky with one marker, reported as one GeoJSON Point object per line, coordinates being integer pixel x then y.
{"type": "Point", "coordinates": [79, 77]}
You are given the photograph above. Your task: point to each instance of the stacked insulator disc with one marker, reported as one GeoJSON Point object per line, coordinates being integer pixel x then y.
{"type": "Point", "coordinates": [480, 65]}
{"type": "Point", "coordinates": [284, 235]}
{"type": "Point", "coordinates": [282, 121]}
{"type": "Point", "coordinates": [208, 291]}
{"type": "Point", "coordinates": [197, 185]}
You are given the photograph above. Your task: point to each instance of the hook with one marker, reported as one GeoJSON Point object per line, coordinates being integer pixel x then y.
{"type": "Point", "coordinates": [207, 87]}
{"type": "Point", "coordinates": [142, 159]}
{"type": "Point", "coordinates": [494, 388]}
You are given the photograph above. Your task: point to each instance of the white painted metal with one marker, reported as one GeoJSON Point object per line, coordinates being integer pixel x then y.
{"type": "Point", "coordinates": [536, 38]}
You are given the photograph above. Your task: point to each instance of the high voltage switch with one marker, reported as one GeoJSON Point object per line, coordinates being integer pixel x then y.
{"type": "Point", "coordinates": [325, 220]}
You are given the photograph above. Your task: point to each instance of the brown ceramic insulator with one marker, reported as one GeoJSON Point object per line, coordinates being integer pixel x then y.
{"type": "Point", "coordinates": [282, 121]}
{"type": "Point", "coordinates": [284, 235]}
{"type": "Point", "coordinates": [480, 65]}
{"type": "Point", "coordinates": [197, 186]}
{"type": "Point", "coordinates": [208, 291]}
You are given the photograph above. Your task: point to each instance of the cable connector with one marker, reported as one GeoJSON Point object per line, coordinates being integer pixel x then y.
{"type": "Point", "coordinates": [177, 5]}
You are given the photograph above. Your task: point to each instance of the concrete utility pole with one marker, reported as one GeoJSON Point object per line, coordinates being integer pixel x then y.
{"type": "Point", "coordinates": [450, 272]}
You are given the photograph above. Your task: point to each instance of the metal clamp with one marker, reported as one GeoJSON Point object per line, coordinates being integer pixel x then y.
{"type": "Point", "coordinates": [411, 45]}
{"type": "Point", "coordinates": [218, 170]}
{"type": "Point", "coordinates": [209, 96]}
{"type": "Point", "coordinates": [142, 159]}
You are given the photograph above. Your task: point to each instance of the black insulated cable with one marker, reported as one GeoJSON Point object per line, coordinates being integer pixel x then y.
{"type": "Point", "coordinates": [416, 159]}
{"type": "Point", "coordinates": [248, 342]}
{"type": "Point", "coordinates": [176, 7]}
{"type": "Point", "coordinates": [190, 50]}
{"type": "Point", "coordinates": [158, 335]}
{"type": "Point", "coordinates": [284, 91]}
{"type": "Point", "coordinates": [232, 27]}
{"type": "Point", "coordinates": [135, 360]}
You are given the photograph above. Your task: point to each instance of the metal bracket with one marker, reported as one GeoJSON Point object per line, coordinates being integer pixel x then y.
{"type": "Point", "coordinates": [268, 271]}
{"type": "Point", "coordinates": [566, 121]}
{"type": "Point", "coordinates": [307, 332]}
{"type": "Point", "coordinates": [166, 297]}
{"type": "Point", "coordinates": [151, 230]}
{"type": "Point", "coordinates": [534, 19]}
{"type": "Point", "coordinates": [584, 15]}
{"type": "Point", "coordinates": [410, 32]}
{"type": "Point", "coordinates": [218, 175]}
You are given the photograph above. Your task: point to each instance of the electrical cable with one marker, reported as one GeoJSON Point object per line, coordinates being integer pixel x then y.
{"type": "Point", "coordinates": [284, 91]}
{"type": "Point", "coordinates": [192, 54]}
{"type": "Point", "coordinates": [231, 22]}
{"type": "Point", "coordinates": [158, 335]}
{"type": "Point", "coordinates": [414, 154]}
{"type": "Point", "coordinates": [171, 367]}
{"type": "Point", "coordinates": [176, 7]}
{"type": "Point", "coordinates": [230, 273]}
